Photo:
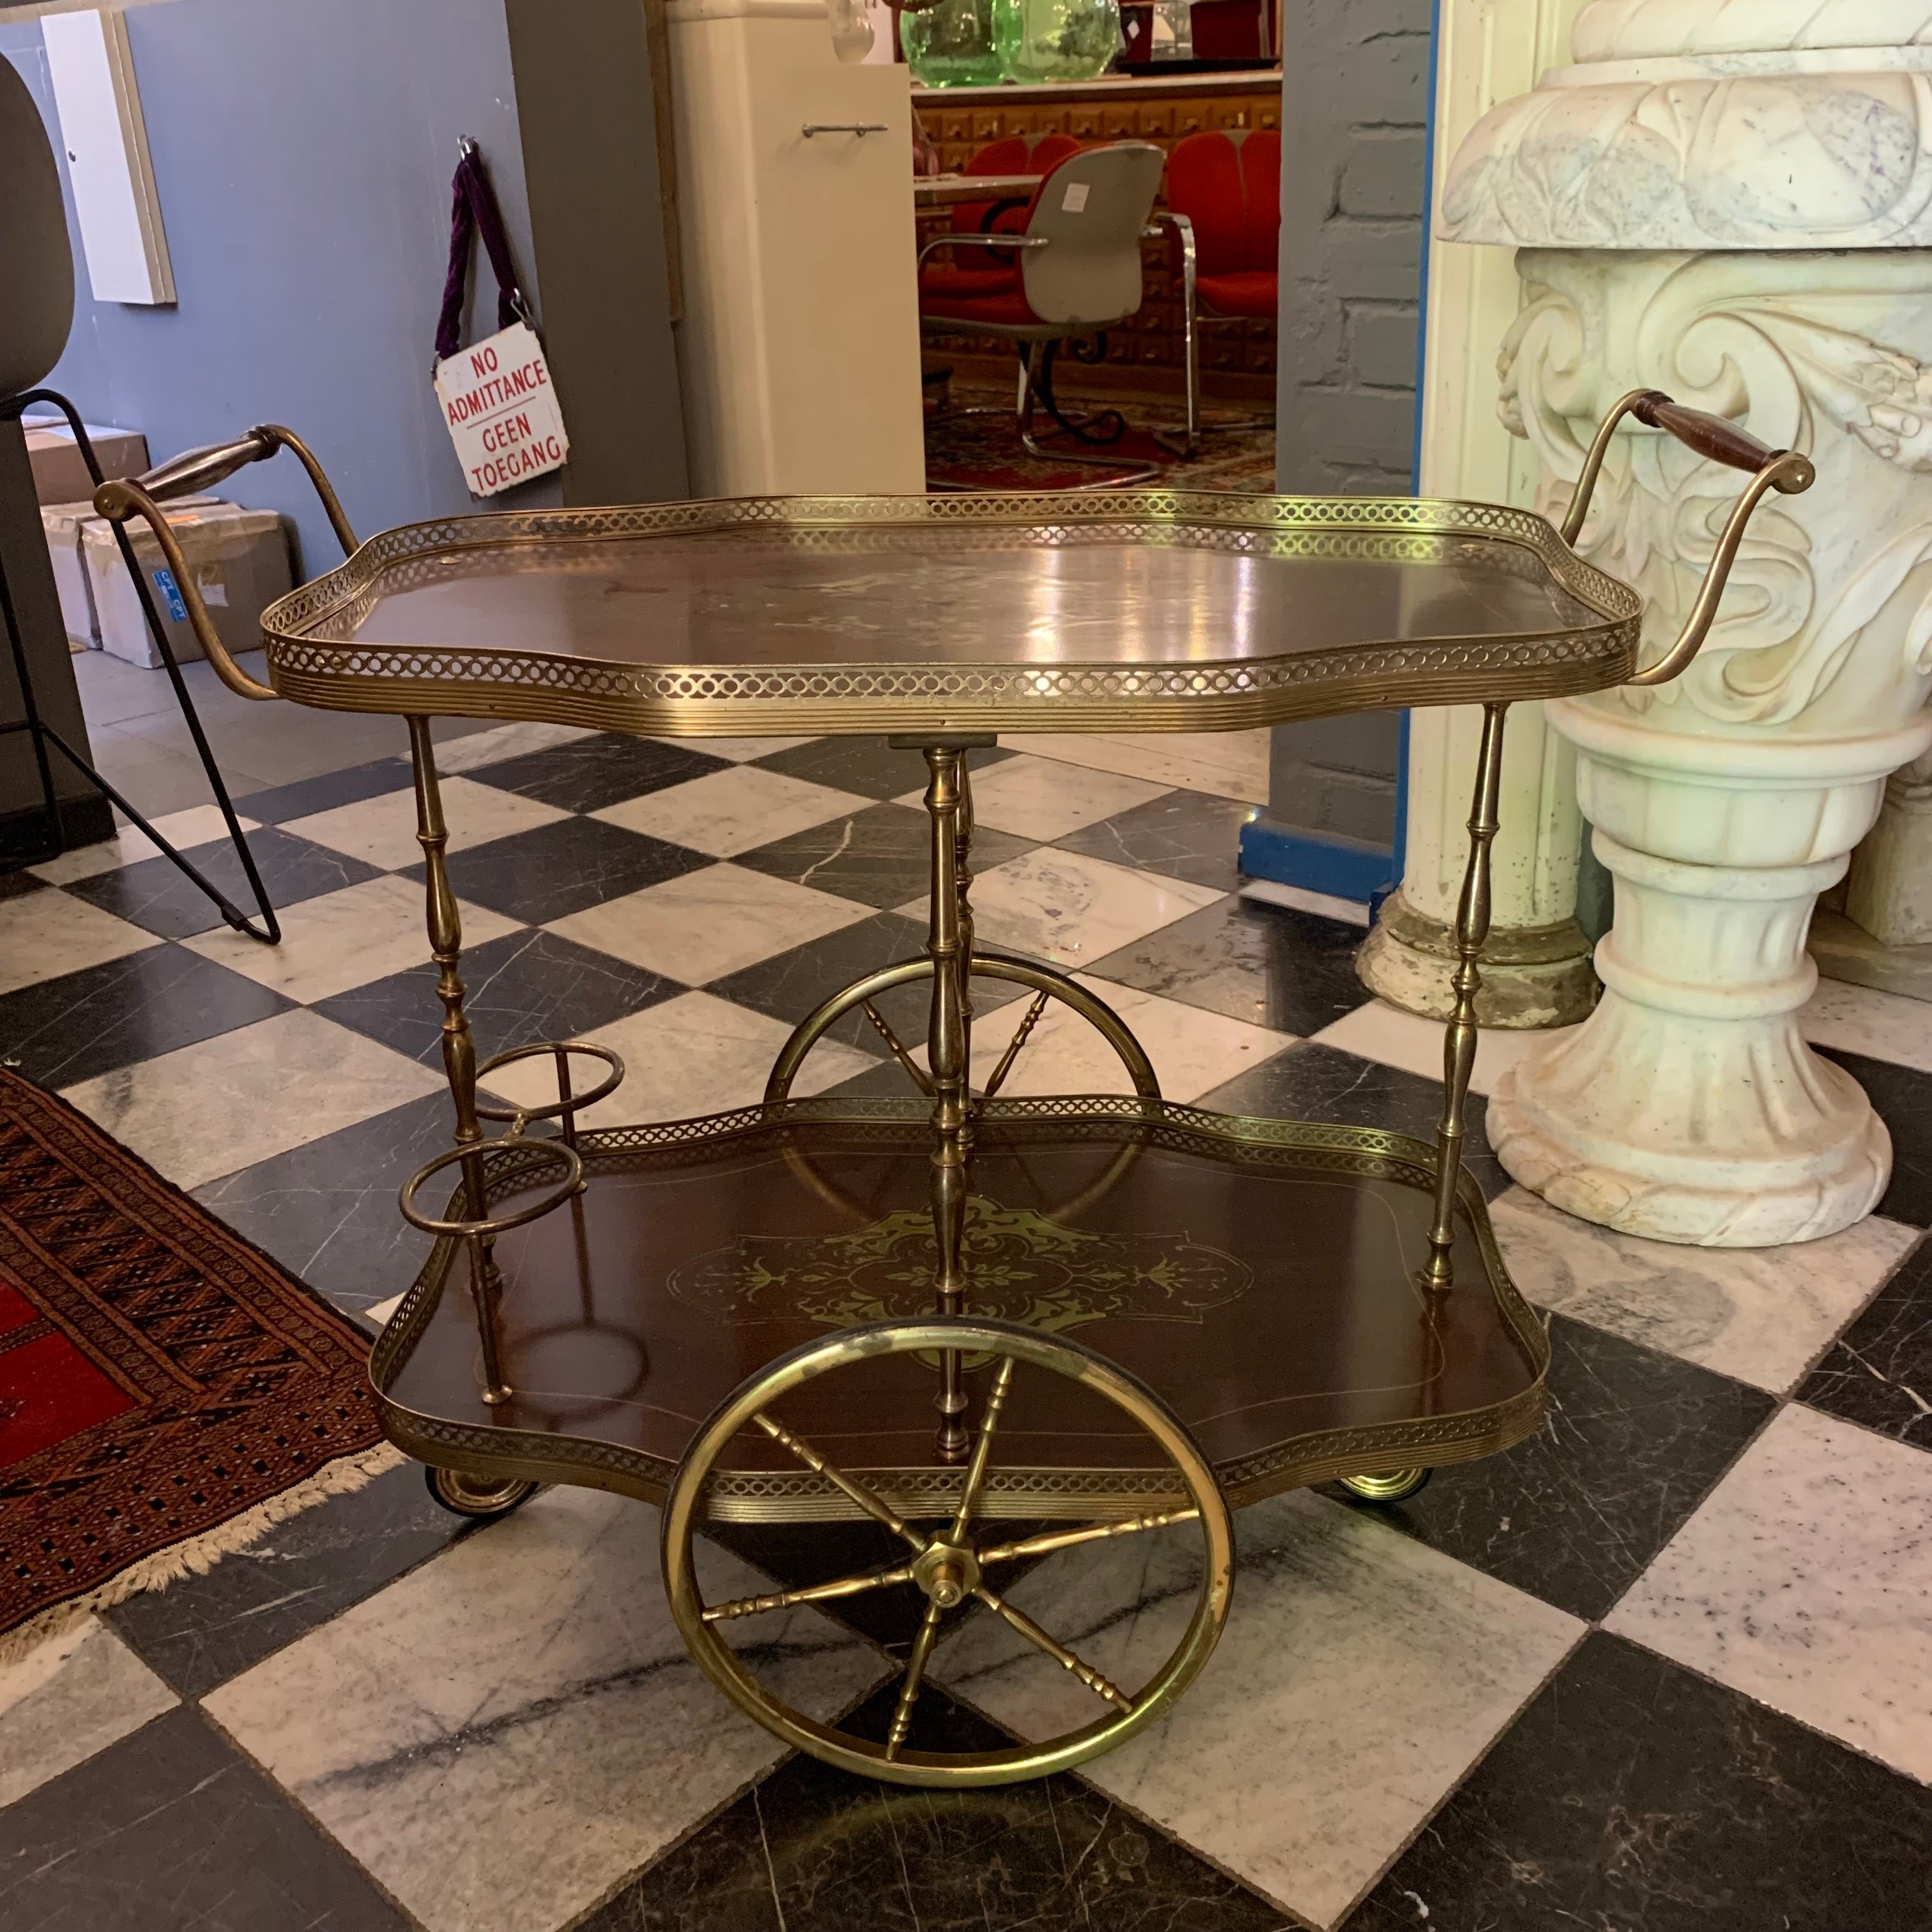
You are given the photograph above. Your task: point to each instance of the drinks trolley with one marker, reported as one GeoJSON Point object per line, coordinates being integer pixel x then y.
{"type": "Point", "coordinates": [998, 1328]}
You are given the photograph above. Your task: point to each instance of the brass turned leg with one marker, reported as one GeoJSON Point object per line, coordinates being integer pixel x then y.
{"type": "Point", "coordinates": [947, 1048]}
{"type": "Point", "coordinates": [1458, 1044]}
{"type": "Point", "coordinates": [459, 1052]}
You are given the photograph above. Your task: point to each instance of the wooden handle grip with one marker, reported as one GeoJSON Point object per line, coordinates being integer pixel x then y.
{"type": "Point", "coordinates": [1712, 437]}
{"type": "Point", "coordinates": [199, 469]}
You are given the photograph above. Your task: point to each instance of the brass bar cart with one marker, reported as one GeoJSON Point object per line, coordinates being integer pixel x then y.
{"type": "Point", "coordinates": [999, 1329]}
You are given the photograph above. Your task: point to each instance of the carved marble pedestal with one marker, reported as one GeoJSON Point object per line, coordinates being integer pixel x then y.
{"type": "Point", "coordinates": [1755, 223]}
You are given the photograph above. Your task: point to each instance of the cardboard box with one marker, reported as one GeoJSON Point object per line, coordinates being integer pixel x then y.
{"type": "Point", "coordinates": [64, 523]}
{"type": "Point", "coordinates": [60, 475]}
{"type": "Point", "coordinates": [239, 559]}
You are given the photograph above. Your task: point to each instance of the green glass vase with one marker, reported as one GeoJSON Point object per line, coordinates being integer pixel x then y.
{"type": "Point", "coordinates": [1056, 39]}
{"type": "Point", "coordinates": [951, 45]}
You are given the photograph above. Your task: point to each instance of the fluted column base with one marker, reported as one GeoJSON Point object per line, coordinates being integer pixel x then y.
{"type": "Point", "coordinates": [1533, 976]}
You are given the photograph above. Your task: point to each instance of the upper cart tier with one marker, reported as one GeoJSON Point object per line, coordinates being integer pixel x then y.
{"type": "Point", "coordinates": [1121, 610]}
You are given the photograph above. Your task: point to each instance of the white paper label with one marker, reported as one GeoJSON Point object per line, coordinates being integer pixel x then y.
{"type": "Point", "coordinates": [1074, 201]}
{"type": "Point", "coordinates": [502, 412]}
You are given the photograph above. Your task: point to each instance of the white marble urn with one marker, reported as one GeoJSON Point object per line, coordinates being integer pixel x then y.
{"type": "Point", "coordinates": [1725, 200]}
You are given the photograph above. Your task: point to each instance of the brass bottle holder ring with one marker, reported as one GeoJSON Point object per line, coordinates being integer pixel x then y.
{"type": "Point", "coordinates": [486, 1228]}
{"type": "Point", "coordinates": [567, 1104]}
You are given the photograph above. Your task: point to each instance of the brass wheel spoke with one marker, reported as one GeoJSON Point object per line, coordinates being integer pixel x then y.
{"type": "Point", "coordinates": [920, 1076]}
{"type": "Point", "coordinates": [867, 1501]}
{"type": "Point", "coordinates": [816, 1593]}
{"type": "Point", "coordinates": [1100, 1686]}
{"type": "Point", "coordinates": [997, 1078]}
{"type": "Point", "coordinates": [915, 1673]}
{"type": "Point", "coordinates": [1065, 1539]}
{"type": "Point", "coordinates": [983, 1449]}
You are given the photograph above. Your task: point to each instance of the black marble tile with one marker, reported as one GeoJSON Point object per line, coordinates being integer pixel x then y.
{"type": "Point", "coordinates": [172, 1830]}
{"type": "Point", "coordinates": [792, 985]}
{"type": "Point", "coordinates": [327, 1211]}
{"type": "Point", "coordinates": [560, 868]}
{"type": "Point", "coordinates": [1312, 1082]}
{"type": "Point", "coordinates": [867, 765]}
{"type": "Point", "coordinates": [1187, 835]}
{"type": "Point", "coordinates": [837, 1852]}
{"type": "Point", "coordinates": [880, 856]}
{"type": "Point", "coordinates": [587, 774]}
{"type": "Point", "coordinates": [1272, 966]}
{"type": "Point", "coordinates": [18, 884]}
{"type": "Point", "coordinates": [62, 1031]}
{"type": "Point", "coordinates": [1878, 1371]}
{"type": "Point", "coordinates": [281, 803]}
{"type": "Point", "coordinates": [1633, 1441]}
{"type": "Point", "coordinates": [527, 985]}
{"type": "Point", "coordinates": [200, 1631]}
{"type": "Point", "coordinates": [1902, 1097]}
{"type": "Point", "coordinates": [157, 895]}
{"type": "Point", "coordinates": [1633, 1796]}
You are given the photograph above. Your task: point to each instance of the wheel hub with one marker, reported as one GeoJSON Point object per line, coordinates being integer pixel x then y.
{"type": "Point", "coordinates": [948, 1572]}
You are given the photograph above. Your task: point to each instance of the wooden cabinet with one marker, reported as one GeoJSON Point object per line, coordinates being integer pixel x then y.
{"type": "Point", "coordinates": [1145, 354]}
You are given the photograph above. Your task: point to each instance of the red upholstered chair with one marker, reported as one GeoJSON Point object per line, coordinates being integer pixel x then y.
{"type": "Point", "coordinates": [1016, 154]}
{"type": "Point", "coordinates": [1079, 263]}
{"type": "Point", "coordinates": [1224, 204]}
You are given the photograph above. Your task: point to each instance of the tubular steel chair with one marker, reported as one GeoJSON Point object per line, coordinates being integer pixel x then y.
{"type": "Point", "coordinates": [1224, 206]}
{"type": "Point", "coordinates": [1079, 259]}
{"type": "Point", "coordinates": [1017, 155]}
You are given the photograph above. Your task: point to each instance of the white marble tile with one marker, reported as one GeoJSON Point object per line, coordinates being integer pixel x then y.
{"type": "Point", "coordinates": [1763, 1315]}
{"type": "Point", "coordinates": [739, 751]}
{"type": "Point", "coordinates": [505, 1734]}
{"type": "Point", "coordinates": [379, 1312]}
{"type": "Point", "coordinates": [1350, 912]}
{"type": "Point", "coordinates": [1230, 764]}
{"type": "Point", "coordinates": [45, 934]}
{"type": "Point", "coordinates": [1376, 1031]}
{"type": "Point", "coordinates": [725, 813]}
{"type": "Point", "coordinates": [1068, 908]}
{"type": "Point", "coordinates": [67, 1698]}
{"type": "Point", "coordinates": [1045, 798]}
{"type": "Point", "coordinates": [1360, 1676]}
{"type": "Point", "coordinates": [705, 924]}
{"type": "Point", "coordinates": [208, 1110]}
{"type": "Point", "coordinates": [503, 741]}
{"type": "Point", "coordinates": [1861, 1019]}
{"type": "Point", "coordinates": [1804, 1580]}
{"type": "Point", "coordinates": [343, 939]}
{"type": "Point", "coordinates": [1193, 1051]}
{"type": "Point", "coordinates": [381, 831]}
{"type": "Point", "coordinates": [183, 830]}
{"type": "Point", "coordinates": [694, 1054]}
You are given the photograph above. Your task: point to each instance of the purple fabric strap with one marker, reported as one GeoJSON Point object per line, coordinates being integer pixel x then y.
{"type": "Point", "coordinates": [473, 207]}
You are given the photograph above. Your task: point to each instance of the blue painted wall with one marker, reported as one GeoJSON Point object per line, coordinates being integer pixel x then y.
{"type": "Point", "coordinates": [302, 153]}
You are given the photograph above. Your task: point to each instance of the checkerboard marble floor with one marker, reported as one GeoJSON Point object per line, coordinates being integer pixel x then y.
{"type": "Point", "coordinates": [1667, 1664]}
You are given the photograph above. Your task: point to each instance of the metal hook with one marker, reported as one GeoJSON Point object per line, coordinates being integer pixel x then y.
{"type": "Point", "coordinates": [466, 146]}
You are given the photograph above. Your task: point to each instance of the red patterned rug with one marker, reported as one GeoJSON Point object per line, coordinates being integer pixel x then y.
{"type": "Point", "coordinates": [166, 1391]}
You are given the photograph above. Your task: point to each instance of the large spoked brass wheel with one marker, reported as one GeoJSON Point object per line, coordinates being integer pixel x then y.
{"type": "Point", "coordinates": [947, 1562]}
{"type": "Point", "coordinates": [993, 1070]}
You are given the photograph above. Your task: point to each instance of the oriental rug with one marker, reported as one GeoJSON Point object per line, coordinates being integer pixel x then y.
{"type": "Point", "coordinates": [167, 1392]}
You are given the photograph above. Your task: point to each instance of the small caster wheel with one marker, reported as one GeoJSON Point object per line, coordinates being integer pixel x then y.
{"type": "Point", "coordinates": [477, 1496]}
{"type": "Point", "coordinates": [1388, 1486]}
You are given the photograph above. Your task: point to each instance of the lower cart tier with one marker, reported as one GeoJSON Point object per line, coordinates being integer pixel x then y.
{"type": "Point", "coordinates": [1262, 1277]}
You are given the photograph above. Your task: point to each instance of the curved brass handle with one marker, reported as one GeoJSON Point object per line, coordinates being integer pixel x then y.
{"type": "Point", "coordinates": [196, 470]}
{"type": "Point", "coordinates": [1718, 441]}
